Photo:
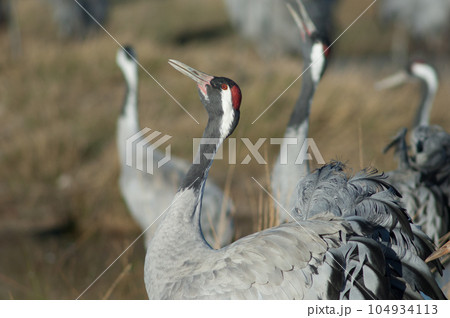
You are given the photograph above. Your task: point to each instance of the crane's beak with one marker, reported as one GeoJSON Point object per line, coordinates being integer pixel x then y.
{"type": "Point", "coordinates": [303, 21]}
{"type": "Point", "coordinates": [392, 81]}
{"type": "Point", "coordinates": [201, 78]}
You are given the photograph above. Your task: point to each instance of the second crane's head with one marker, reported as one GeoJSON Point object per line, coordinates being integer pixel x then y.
{"type": "Point", "coordinates": [416, 69]}
{"type": "Point", "coordinates": [221, 97]}
{"type": "Point", "coordinates": [126, 60]}
{"type": "Point", "coordinates": [315, 46]}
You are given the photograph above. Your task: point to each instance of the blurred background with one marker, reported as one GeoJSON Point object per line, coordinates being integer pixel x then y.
{"type": "Point", "coordinates": [62, 218]}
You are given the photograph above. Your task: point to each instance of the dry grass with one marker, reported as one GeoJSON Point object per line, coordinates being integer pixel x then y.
{"type": "Point", "coordinates": [58, 107]}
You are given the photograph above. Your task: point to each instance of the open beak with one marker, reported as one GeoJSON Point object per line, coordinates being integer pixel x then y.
{"type": "Point", "coordinates": [201, 78]}
{"type": "Point", "coordinates": [303, 20]}
{"type": "Point", "coordinates": [392, 81]}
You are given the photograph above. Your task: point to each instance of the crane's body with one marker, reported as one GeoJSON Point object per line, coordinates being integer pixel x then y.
{"type": "Point", "coordinates": [149, 195]}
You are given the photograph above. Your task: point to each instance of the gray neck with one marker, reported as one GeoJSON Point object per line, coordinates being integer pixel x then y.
{"type": "Point", "coordinates": [302, 107]}
{"type": "Point", "coordinates": [298, 125]}
{"type": "Point", "coordinates": [129, 108]}
{"type": "Point", "coordinates": [426, 103]}
{"type": "Point", "coordinates": [181, 226]}
{"type": "Point", "coordinates": [128, 123]}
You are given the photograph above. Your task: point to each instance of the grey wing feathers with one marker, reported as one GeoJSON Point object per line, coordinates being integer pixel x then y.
{"type": "Point", "coordinates": [366, 194]}
{"type": "Point", "coordinates": [424, 179]}
{"type": "Point", "coordinates": [372, 206]}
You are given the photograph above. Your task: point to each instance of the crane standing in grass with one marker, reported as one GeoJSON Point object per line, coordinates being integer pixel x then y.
{"type": "Point", "coordinates": [148, 195]}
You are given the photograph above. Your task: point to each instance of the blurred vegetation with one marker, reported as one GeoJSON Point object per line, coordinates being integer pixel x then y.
{"type": "Point", "coordinates": [62, 219]}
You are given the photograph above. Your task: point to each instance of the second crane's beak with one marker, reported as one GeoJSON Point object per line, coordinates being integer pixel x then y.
{"type": "Point", "coordinates": [302, 19]}
{"type": "Point", "coordinates": [392, 81]}
{"type": "Point", "coordinates": [201, 78]}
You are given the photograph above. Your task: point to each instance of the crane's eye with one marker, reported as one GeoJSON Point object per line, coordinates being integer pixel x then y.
{"type": "Point", "coordinates": [224, 87]}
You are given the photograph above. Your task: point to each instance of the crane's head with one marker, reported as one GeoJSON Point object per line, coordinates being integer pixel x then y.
{"type": "Point", "coordinates": [415, 70]}
{"type": "Point", "coordinates": [315, 46]}
{"type": "Point", "coordinates": [424, 72]}
{"type": "Point", "coordinates": [126, 60]}
{"type": "Point", "coordinates": [220, 95]}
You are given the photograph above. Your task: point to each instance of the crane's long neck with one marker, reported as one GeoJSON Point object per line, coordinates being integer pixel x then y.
{"type": "Point", "coordinates": [128, 122]}
{"type": "Point", "coordinates": [429, 89]}
{"type": "Point", "coordinates": [181, 225]}
{"type": "Point", "coordinates": [291, 165]}
{"type": "Point", "coordinates": [298, 125]}
{"type": "Point", "coordinates": [300, 113]}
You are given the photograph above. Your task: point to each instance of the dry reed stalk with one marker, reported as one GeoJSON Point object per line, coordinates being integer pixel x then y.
{"type": "Point", "coordinates": [360, 142]}
{"type": "Point", "coordinates": [125, 271]}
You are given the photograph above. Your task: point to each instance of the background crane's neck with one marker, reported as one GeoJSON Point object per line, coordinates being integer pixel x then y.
{"type": "Point", "coordinates": [289, 170]}
{"type": "Point", "coordinates": [298, 125]}
{"type": "Point", "coordinates": [128, 122]}
{"type": "Point", "coordinates": [429, 89]}
{"type": "Point", "coordinates": [300, 114]}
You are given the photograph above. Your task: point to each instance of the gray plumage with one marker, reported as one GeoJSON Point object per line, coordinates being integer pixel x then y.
{"type": "Point", "coordinates": [322, 256]}
{"type": "Point", "coordinates": [267, 23]}
{"type": "Point", "coordinates": [149, 195]}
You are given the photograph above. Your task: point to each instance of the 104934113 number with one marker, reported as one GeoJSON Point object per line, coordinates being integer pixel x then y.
{"type": "Point", "coordinates": [417, 309]}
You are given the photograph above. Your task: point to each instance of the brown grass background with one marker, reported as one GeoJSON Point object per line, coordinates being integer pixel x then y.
{"type": "Point", "coordinates": [60, 100]}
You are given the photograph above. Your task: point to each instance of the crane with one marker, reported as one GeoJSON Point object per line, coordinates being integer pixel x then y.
{"type": "Point", "coordinates": [423, 176]}
{"type": "Point", "coordinates": [148, 195]}
{"type": "Point", "coordinates": [321, 257]}
{"type": "Point", "coordinates": [288, 171]}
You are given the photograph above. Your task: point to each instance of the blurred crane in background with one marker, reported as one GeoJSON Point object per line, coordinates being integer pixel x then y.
{"type": "Point", "coordinates": [73, 21]}
{"type": "Point", "coordinates": [267, 23]}
{"type": "Point", "coordinates": [288, 171]}
{"type": "Point", "coordinates": [424, 24]}
{"type": "Point", "coordinates": [423, 177]}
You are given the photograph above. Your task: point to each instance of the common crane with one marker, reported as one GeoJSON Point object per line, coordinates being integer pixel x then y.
{"type": "Point", "coordinates": [289, 170]}
{"type": "Point", "coordinates": [423, 175]}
